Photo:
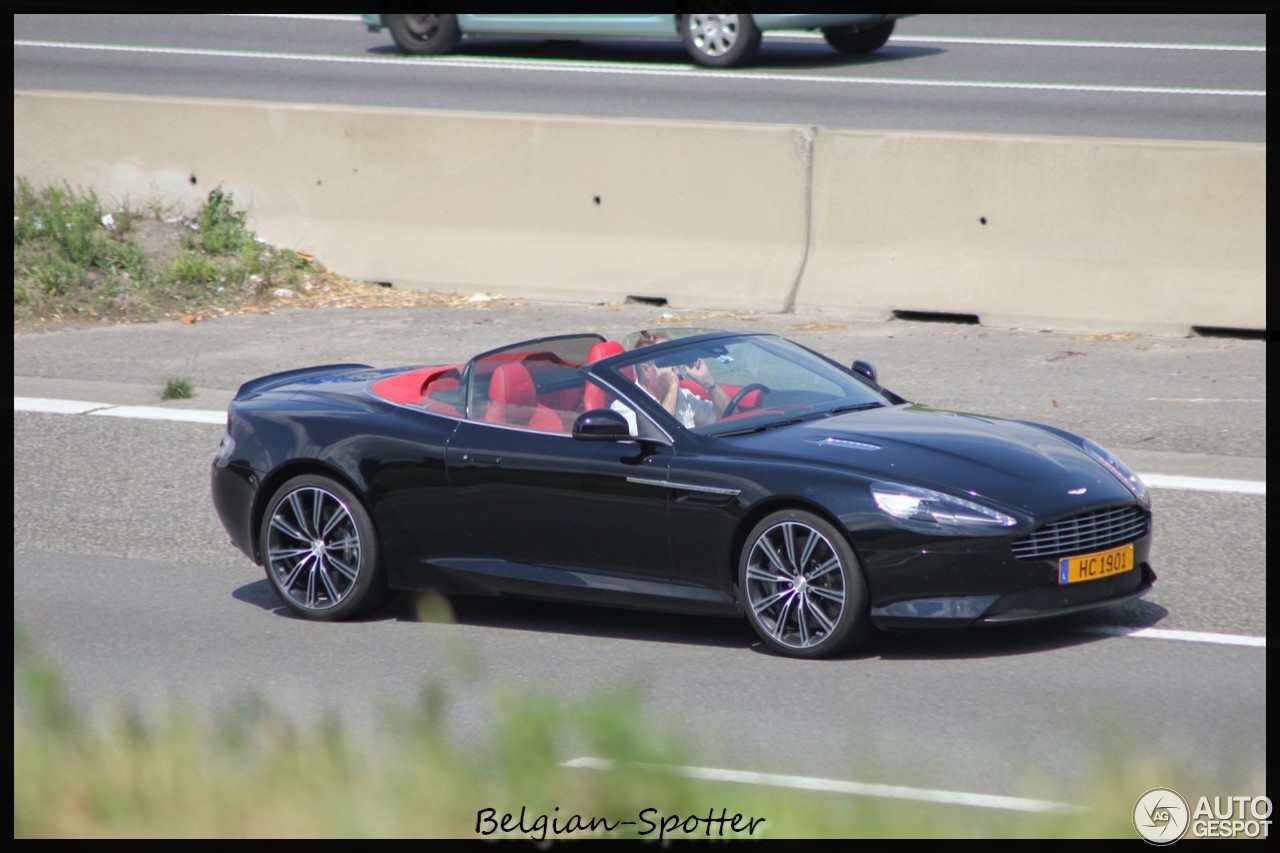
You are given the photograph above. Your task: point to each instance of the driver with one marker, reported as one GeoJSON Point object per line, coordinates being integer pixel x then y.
{"type": "Point", "coordinates": [663, 384]}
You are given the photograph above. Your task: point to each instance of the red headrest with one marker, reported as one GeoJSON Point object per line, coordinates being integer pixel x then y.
{"type": "Point", "coordinates": [604, 349]}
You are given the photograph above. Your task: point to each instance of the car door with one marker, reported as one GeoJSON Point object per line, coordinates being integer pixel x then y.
{"type": "Point", "coordinates": [547, 499]}
{"type": "Point", "coordinates": [615, 25]}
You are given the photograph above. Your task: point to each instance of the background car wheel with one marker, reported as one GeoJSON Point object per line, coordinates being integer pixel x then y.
{"type": "Point", "coordinates": [801, 587]}
{"type": "Point", "coordinates": [859, 41]}
{"type": "Point", "coordinates": [720, 41]}
{"type": "Point", "coordinates": [423, 35]}
{"type": "Point", "coordinates": [320, 550]}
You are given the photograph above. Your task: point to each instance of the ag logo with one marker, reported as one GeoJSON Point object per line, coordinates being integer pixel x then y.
{"type": "Point", "coordinates": [1161, 816]}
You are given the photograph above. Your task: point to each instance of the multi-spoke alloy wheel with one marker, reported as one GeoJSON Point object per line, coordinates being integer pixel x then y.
{"type": "Point", "coordinates": [720, 40]}
{"type": "Point", "coordinates": [320, 550]}
{"type": "Point", "coordinates": [800, 585]}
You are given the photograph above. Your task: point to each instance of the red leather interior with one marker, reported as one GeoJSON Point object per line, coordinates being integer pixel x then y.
{"type": "Point", "coordinates": [751, 413]}
{"type": "Point", "coordinates": [513, 389]}
{"type": "Point", "coordinates": [604, 349]}
{"type": "Point", "coordinates": [413, 386]}
{"type": "Point", "coordinates": [565, 400]}
{"type": "Point", "coordinates": [695, 388]}
{"type": "Point", "coordinates": [748, 402]}
{"type": "Point", "coordinates": [595, 397]}
{"type": "Point", "coordinates": [513, 399]}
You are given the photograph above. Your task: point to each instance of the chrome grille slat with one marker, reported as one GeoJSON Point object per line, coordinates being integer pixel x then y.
{"type": "Point", "coordinates": [1080, 534]}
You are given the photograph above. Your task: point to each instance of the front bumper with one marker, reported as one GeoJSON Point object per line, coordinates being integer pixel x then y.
{"type": "Point", "coordinates": [1020, 606]}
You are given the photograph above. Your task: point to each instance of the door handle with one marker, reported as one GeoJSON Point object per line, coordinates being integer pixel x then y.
{"type": "Point", "coordinates": [481, 459]}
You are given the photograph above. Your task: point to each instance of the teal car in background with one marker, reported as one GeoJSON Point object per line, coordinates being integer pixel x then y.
{"type": "Point", "coordinates": [722, 41]}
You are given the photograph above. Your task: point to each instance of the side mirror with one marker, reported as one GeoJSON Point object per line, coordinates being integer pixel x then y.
{"type": "Point", "coordinates": [601, 425]}
{"type": "Point", "coordinates": [866, 369]}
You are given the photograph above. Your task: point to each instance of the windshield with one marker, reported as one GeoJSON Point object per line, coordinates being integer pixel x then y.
{"type": "Point", "coordinates": [728, 385]}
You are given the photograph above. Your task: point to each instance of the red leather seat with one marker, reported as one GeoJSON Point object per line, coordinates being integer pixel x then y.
{"type": "Point", "coordinates": [604, 349]}
{"type": "Point", "coordinates": [513, 399]}
{"type": "Point", "coordinates": [595, 397]}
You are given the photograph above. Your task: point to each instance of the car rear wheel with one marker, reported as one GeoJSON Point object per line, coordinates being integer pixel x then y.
{"type": "Point", "coordinates": [801, 587]}
{"type": "Point", "coordinates": [720, 41]}
{"type": "Point", "coordinates": [320, 550]}
{"type": "Point", "coordinates": [856, 42]}
{"type": "Point", "coordinates": [424, 35]}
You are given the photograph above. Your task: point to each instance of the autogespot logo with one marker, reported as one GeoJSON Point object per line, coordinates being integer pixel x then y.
{"type": "Point", "coordinates": [1161, 816]}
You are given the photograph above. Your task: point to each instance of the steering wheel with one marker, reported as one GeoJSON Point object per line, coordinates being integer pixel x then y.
{"type": "Point", "coordinates": [742, 392]}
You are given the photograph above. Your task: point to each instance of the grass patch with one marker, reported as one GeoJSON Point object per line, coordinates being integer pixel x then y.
{"type": "Point", "coordinates": [178, 389]}
{"type": "Point", "coordinates": [223, 228]}
{"type": "Point", "coordinates": [80, 261]}
{"type": "Point", "coordinates": [76, 258]}
{"type": "Point", "coordinates": [249, 770]}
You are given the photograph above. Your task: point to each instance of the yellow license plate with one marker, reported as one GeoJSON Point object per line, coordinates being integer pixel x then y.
{"type": "Point", "coordinates": [1090, 567]}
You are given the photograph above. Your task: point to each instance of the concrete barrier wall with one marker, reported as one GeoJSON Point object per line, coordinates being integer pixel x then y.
{"type": "Point", "coordinates": [704, 215]}
{"type": "Point", "coordinates": [1039, 231]}
{"type": "Point", "coordinates": [1021, 231]}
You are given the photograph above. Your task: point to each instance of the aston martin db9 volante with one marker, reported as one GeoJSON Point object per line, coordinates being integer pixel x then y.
{"type": "Point", "coordinates": [702, 472]}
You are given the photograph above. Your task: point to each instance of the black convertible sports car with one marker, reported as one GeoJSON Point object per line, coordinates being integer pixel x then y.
{"type": "Point", "coordinates": [694, 471]}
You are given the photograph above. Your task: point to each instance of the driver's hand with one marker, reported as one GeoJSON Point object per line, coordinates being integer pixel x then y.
{"type": "Point", "coordinates": [699, 372]}
{"type": "Point", "coordinates": [666, 378]}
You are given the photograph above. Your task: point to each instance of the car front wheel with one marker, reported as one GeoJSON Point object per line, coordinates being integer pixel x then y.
{"type": "Point", "coordinates": [320, 550]}
{"type": "Point", "coordinates": [424, 35]}
{"type": "Point", "coordinates": [720, 41]}
{"type": "Point", "coordinates": [856, 42]}
{"type": "Point", "coordinates": [801, 587]}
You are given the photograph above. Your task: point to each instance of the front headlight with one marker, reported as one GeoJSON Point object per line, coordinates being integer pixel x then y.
{"type": "Point", "coordinates": [911, 503]}
{"type": "Point", "coordinates": [1112, 463]}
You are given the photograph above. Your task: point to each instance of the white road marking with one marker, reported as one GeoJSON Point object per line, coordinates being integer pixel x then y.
{"type": "Point", "coordinates": [346, 19]}
{"type": "Point", "coordinates": [641, 69]}
{"type": "Point", "coordinates": [839, 786]}
{"type": "Point", "coordinates": [156, 413]}
{"type": "Point", "coordinates": [1204, 484]}
{"type": "Point", "coordinates": [150, 413]}
{"type": "Point", "coordinates": [1208, 399]}
{"type": "Point", "coordinates": [54, 407]}
{"type": "Point", "coordinates": [1184, 636]}
{"type": "Point", "coordinates": [1013, 42]}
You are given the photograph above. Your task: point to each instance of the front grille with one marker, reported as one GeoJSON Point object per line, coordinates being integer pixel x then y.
{"type": "Point", "coordinates": [1080, 534]}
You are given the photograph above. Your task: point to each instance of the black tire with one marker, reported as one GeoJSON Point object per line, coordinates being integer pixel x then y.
{"type": "Point", "coordinates": [320, 550]}
{"type": "Point", "coordinates": [720, 41]}
{"type": "Point", "coordinates": [424, 35]}
{"type": "Point", "coordinates": [857, 42]}
{"type": "Point", "coordinates": [801, 587]}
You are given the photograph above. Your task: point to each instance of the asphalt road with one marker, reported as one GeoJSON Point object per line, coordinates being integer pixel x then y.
{"type": "Point", "coordinates": [1191, 77]}
{"type": "Point", "coordinates": [123, 576]}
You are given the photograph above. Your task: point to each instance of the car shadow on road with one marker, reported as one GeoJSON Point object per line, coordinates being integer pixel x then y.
{"type": "Point", "coordinates": [261, 593]}
{"type": "Point", "coordinates": [731, 633]}
{"type": "Point", "coordinates": [575, 619]}
{"type": "Point", "coordinates": [989, 641]}
{"type": "Point", "coordinates": [774, 56]}
{"type": "Point", "coordinates": [539, 616]}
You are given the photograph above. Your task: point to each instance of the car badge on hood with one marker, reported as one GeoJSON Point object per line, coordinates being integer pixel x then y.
{"type": "Point", "coordinates": [832, 441]}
